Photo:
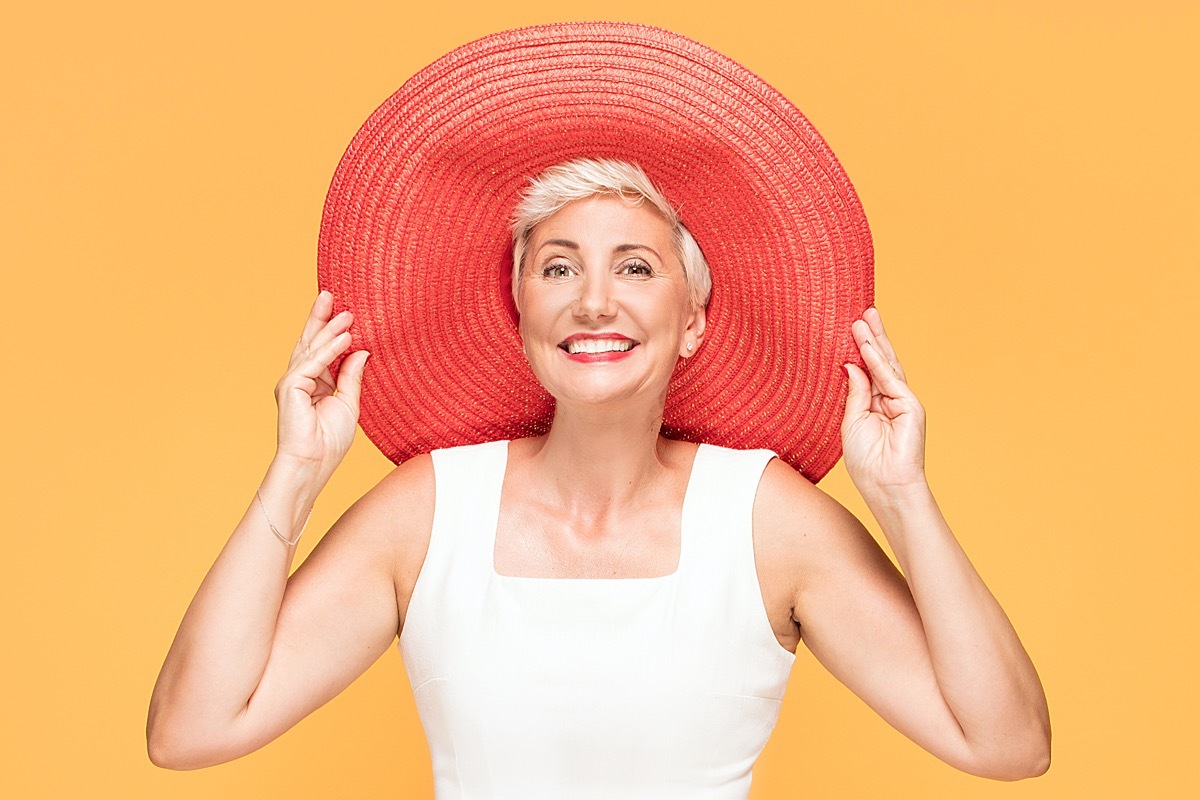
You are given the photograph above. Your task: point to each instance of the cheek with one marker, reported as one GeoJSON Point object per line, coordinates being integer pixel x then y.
{"type": "Point", "coordinates": [667, 308]}
{"type": "Point", "coordinates": [538, 305]}
{"type": "Point", "coordinates": [523, 331]}
{"type": "Point", "coordinates": [533, 320]}
{"type": "Point", "coordinates": [521, 284]}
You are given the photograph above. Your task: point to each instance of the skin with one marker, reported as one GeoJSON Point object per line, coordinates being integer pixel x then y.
{"type": "Point", "coordinates": [934, 655]}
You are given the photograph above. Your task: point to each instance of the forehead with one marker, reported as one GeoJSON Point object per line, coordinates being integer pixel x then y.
{"type": "Point", "coordinates": [607, 220]}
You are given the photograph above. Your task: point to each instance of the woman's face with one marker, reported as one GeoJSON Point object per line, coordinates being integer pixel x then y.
{"type": "Point", "coordinates": [605, 310]}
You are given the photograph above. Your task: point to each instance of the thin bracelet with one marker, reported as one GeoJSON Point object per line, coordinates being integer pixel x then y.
{"type": "Point", "coordinates": [274, 530]}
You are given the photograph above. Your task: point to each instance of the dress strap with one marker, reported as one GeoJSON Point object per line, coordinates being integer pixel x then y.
{"type": "Point", "coordinates": [722, 586]}
{"type": "Point", "coordinates": [468, 481]}
{"type": "Point", "coordinates": [725, 483]}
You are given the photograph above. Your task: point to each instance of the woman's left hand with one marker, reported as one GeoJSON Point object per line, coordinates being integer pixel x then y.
{"type": "Point", "coordinates": [883, 431]}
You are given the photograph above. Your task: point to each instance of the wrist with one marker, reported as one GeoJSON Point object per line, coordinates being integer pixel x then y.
{"type": "Point", "coordinates": [896, 499]}
{"type": "Point", "coordinates": [294, 469]}
{"type": "Point", "coordinates": [295, 483]}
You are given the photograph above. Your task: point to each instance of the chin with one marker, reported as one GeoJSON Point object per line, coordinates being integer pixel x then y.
{"type": "Point", "coordinates": [600, 385]}
{"type": "Point", "coordinates": [597, 397]}
{"type": "Point", "coordinates": [598, 394]}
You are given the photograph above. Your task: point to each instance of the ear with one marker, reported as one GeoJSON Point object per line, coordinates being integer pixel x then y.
{"type": "Point", "coordinates": [693, 334]}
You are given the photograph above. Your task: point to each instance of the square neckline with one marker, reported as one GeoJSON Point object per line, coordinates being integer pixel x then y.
{"type": "Point", "coordinates": [684, 526]}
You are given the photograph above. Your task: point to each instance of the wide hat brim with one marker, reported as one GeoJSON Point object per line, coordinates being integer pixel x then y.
{"type": "Point", "coordinates": [414, 238]}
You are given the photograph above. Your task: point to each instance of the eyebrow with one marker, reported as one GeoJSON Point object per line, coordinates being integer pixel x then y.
{"type": "Point", "coordinates": [621, 248]}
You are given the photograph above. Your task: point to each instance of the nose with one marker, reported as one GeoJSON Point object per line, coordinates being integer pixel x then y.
{"type": "Point", "coordinates": [595, 299]}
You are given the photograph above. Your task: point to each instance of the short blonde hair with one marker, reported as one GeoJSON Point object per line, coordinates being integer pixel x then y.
{"type": "Point", "coordinates": [584, 178]}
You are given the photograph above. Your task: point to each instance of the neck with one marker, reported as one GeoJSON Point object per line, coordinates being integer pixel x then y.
{"type": "Point", "coordinates": [598, 460]}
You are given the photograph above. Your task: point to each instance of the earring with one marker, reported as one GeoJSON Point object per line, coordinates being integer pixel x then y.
{"type": "Point", "coordinates": [690, 346]}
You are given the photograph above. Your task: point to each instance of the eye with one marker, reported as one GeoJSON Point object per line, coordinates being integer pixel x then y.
{"type": "Point", "coordinates": [636, 267]}
{"type": "Point", "coordinates": [557, 269]}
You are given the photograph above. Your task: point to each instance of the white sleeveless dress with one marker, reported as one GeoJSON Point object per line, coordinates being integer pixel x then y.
{"type": "Point", "coordinates": [560, 688]}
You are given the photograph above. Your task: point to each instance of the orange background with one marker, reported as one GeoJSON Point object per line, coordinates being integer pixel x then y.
{"type": "Point", "coordinates": [1030, 172]}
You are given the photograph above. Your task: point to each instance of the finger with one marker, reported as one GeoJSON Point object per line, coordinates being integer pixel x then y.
{"type": "Point", "coordinates": [350, 375]}
{"type": "Point", "coordinates": [324, 383]}
{"type": "Point", "coordinates": [875, 322]}
{"type": "Point", "coordinates": [858, 394]}
{"type": "Point", "coordinates": [321, 310]}
{"type": "Point", "coordinates": [318, 360]}
{"type": "Point", "coordinates": [870, 328]}
{"type": "Point", "coordinates": [883, 374]}
{"type": "Point", "coordinates": [864, 332]}
{"type": "Point", "coordinates": [339, 323]}
{"type": "Point", "coordinates": [310, 370]}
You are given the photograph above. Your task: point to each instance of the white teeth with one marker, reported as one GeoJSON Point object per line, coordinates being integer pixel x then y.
{"type": "Point", "coordinates": [598, 345]}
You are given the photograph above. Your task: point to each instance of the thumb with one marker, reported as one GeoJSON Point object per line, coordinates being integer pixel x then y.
{"type": "Point", "coordinates": [858, 396]}
{"type": "Point", "coordinates": [350, 377]}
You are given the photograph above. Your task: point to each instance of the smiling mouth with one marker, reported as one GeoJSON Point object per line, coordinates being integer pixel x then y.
{"type": "Point", "coordinates": [597, 346]}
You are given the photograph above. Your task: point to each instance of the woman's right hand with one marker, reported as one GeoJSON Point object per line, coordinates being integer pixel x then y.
{"type": "Point", "coordinates": [316, 418]}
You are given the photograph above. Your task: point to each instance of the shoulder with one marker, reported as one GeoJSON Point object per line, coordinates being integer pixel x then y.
{"type": "Point", "coordinates": [802, 532]}
{"type": "Point", "coordinates": [391, 510]}
{"type": "Point", "coordinates": [398, 513]}
{"type": "Point", "coordinates": [409, 482]}
{"type": "Point", "coordinates": [408, 497]}
{"type": "Point", "coordinates": [411, 485]}
{"type": "Point", "coordinates": [785, 497]}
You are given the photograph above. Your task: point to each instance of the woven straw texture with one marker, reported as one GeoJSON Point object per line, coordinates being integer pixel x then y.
{"type": "Point", "coordinates": [414, 237]}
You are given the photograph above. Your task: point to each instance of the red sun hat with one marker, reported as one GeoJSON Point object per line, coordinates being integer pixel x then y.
{"type": "Point", "coordinates": [415, 240]}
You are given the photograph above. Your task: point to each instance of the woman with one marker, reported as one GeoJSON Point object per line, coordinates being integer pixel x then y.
{"type": "Point", "coordinates": [597, 610]}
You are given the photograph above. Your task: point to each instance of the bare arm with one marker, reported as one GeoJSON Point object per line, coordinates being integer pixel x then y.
{"type": "Point", "coordinates": [256, 652]}
{"type": "Point", "coordinates": [934, 655]}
